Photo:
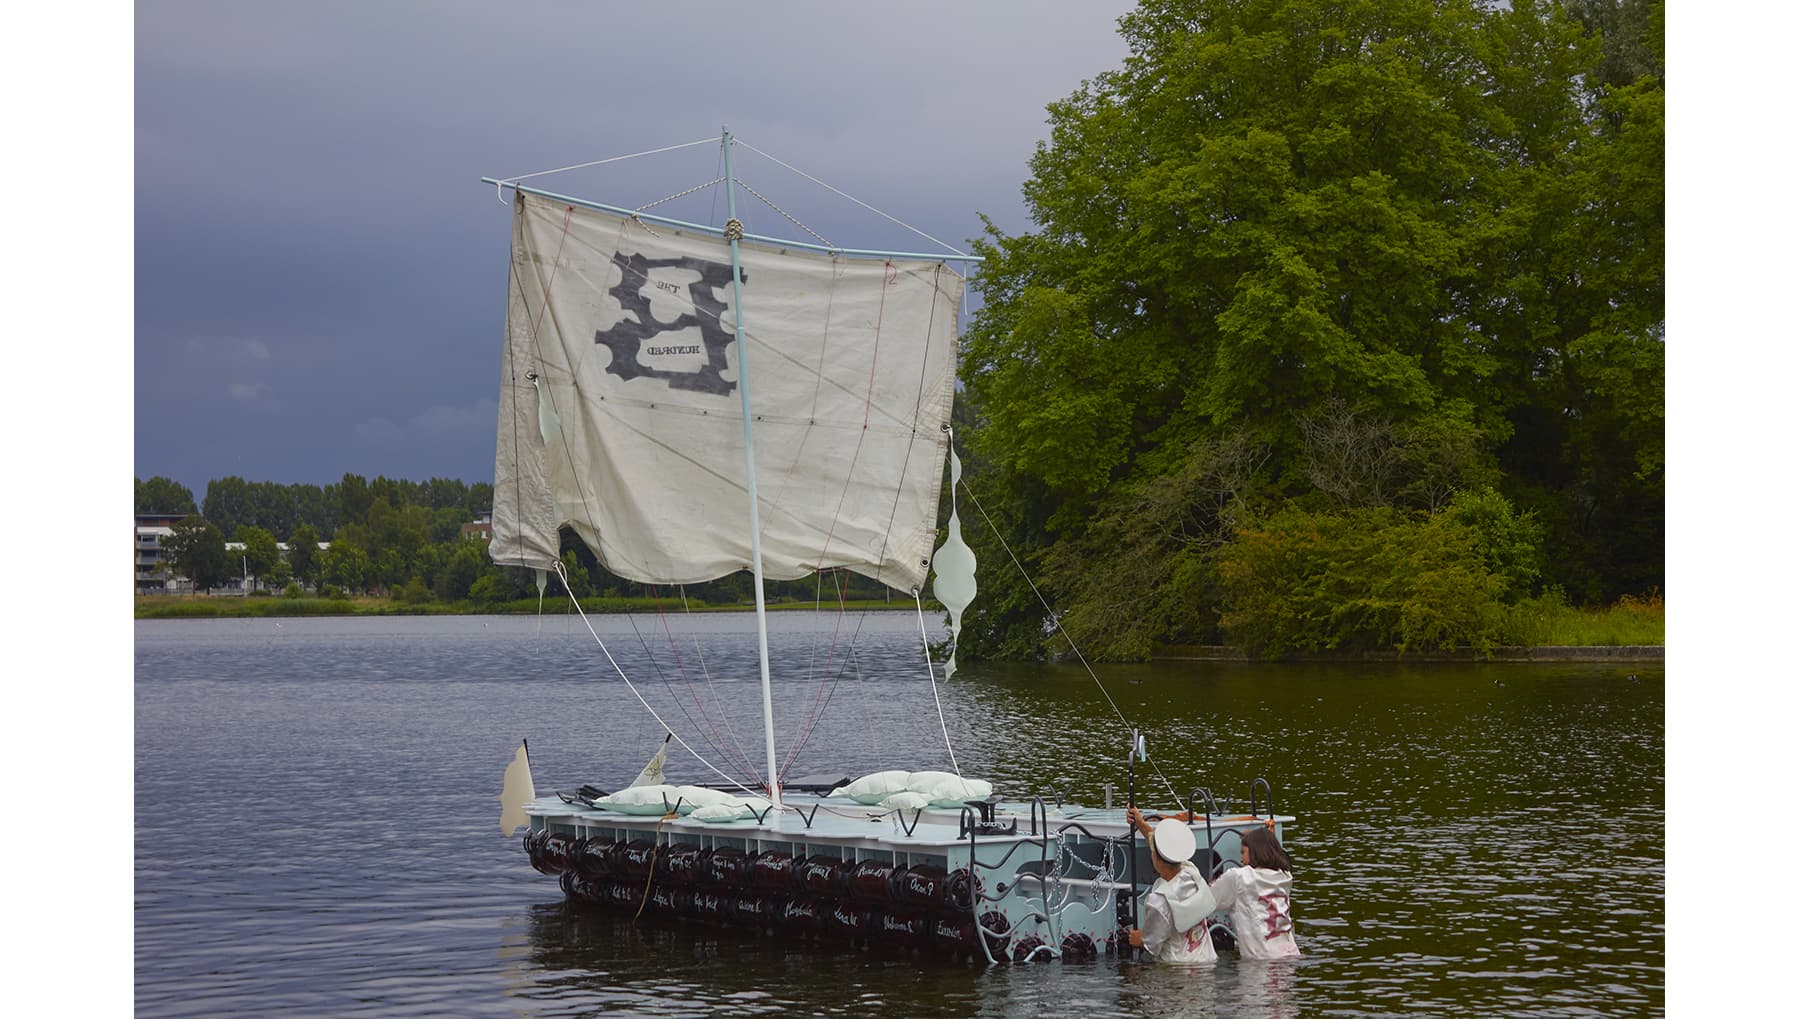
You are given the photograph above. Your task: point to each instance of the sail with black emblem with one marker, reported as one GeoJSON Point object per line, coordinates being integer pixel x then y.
{"type": "Point", "coordinates": [621, 416]}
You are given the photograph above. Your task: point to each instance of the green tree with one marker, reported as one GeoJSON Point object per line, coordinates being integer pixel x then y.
{"type": "Point", "coordinates": [580, 584]}
{"type": "Point", "coordinates": [353, 499]}
{"type": "Point", "coordinates": [161, 495]}
{"type": "Point", "coordinates": [480, 499]}
{"type": "Point", "coordinates": [261, 551]}
{"type": "Point", "coordinates": [197, 550]}
{"type": "Point", "coordinates": [1409, 248]}
{"type": "Point", "coordinates": [1507, 542]}
{"type": "Point", "coordinates": [311, 507]}
{"type": "Point", "coordinates": [280, 573]}
{"type": "Point", "coordinates": [228, 504]}
{"type": "Point", "coordinates": [462, 567]}
{"type": "Point", "coordinates": [348, 566]}
{"type": "Point", "coordinates": [303, 553]}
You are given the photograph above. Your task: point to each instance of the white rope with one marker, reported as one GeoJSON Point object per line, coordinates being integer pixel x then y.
{"type": "Point", "coordinates": [1059, 629]}
{"type": "Point", "coordinates": [564, 577]}
{"type": "Point", "coordinates": [931, 675]}
{"type": "Point", "coordinates": [598, 162]}
{"type": "Point", "coordinates": [852, 198]}
{"type": "Point", "coordinates": [679, 194]}
{"type": "Point", "coordinates": [784, 212]}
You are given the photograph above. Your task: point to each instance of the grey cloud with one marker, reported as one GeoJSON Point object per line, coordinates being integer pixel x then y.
{"type": "Point", "coordinates": [307, 190]}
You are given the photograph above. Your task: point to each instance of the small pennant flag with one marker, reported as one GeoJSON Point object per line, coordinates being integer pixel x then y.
{"type": "Point", "coordinates": [653, 771]}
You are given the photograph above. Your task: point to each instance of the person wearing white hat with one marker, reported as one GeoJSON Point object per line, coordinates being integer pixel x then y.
{"type": "Point", "coordinates": [1176, 908]}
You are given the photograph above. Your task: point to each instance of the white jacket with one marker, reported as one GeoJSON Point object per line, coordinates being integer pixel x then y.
{"type": "Point", "coordinates": [1255, 900]}
{"type": "Point", "coordinates": [1174, 918]}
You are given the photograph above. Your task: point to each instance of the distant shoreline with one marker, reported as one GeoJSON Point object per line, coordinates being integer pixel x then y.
{"type": "Point", "coordinates": [238, 607]}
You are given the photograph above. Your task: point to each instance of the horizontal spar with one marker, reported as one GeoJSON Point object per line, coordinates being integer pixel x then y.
{"type": "Point", "coordinates": [720, 231]}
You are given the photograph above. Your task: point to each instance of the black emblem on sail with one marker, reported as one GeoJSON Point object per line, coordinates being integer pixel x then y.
{"type": "Point", "coordinates": [626, 339]}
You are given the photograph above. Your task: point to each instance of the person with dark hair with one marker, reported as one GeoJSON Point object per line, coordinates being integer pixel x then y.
{"type": "Point", "coordinates": [1255, 897]}
{"type": "Point", "coordinates": [1176, 908]}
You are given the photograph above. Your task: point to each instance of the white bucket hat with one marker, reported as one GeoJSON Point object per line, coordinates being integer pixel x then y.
{"type": "Point", "coordinates": [1174, 842]}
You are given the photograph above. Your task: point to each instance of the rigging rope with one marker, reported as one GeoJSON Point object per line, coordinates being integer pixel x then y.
{"type": "Point", "coordinates": [790, 216]}
{"type": "Point", "coordinates": [819, 695]}
{"type": "Point", "coordinates": [1059, 628]}
{"type": "Point", "coordinates": [700, 654]}
{"type": "Point", "coordinates": [564, 577]}
{"type": "Point", "coordinates": [657, 668]}
{"type": "Point", "coordinates": [678, 194]}
{"type": "Point", "coordinates": [932, 676]}
{"type": "Point", "coordinates": [823, 700]}
{"type": "Point", "coordinates": [503, 181]}
{"type": "Point", "coordinates": [853, 198]}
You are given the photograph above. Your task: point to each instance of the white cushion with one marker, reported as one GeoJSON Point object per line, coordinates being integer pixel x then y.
{"type": "Point", "coordinates": [640, 800]}
{"type": "Point", "coordinates": [946, 789]}
{"type": "Point", "coordinates": [695, 797]}
{"type": "Point", "coordinates": [871, 788]}
{"type": "Point", "coordinates": [909, 800]}
{"type": "Point", "coordinates": [731, 811]}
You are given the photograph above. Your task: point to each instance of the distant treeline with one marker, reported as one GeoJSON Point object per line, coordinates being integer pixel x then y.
{"type": "Point", "coordinates": [399, 538]}
{"type": "Point", "coordinates": [232, 502]}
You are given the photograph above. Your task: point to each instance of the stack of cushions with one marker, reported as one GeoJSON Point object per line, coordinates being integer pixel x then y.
{"type": "Point", "coordinates": [939, 789]}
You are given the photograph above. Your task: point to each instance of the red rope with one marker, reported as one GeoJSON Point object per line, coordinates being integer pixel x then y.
{"type": "Point", "coordinates": [718, 741]}
{"type": "Point", "coordinates": [818, 711]}
{"type": "Point", "coordinates": [555, 264]}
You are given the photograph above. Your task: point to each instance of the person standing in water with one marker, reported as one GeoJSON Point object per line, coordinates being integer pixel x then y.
{"type": "Point", "coordinates": [1255, 898]}
{"type": "Point", "coordinates": [1176, 907]}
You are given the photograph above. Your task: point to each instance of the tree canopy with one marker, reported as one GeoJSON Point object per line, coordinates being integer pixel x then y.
{"type": "Point", "coordinates": [161, 495]}
{"type": "Point", "coordinates": [197, 550]}
{"type": "Point", "coordinates": [1328, 258]}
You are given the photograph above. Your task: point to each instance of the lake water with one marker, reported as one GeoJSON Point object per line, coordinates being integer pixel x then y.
{"type": "Point", "coordinates": [316, 818]}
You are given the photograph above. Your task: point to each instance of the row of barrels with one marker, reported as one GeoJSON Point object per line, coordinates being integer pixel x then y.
{"type": "Point", "coordinates": [842, 922]}
{"type": "Point", "coordinates": [863, 904]}
{"type": "Point", "coordinates": [922, 886]}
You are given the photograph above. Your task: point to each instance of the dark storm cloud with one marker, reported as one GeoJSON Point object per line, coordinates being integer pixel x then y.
{"type": "Point", "coordinates": [320, 276]}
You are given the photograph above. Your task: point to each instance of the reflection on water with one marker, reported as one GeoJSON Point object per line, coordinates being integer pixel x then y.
{"type": "Point", "coordinates": [315, 818]}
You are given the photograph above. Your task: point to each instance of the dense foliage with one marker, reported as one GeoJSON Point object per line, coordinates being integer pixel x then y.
{"type": "Point", "coordinates": [1342, 327]}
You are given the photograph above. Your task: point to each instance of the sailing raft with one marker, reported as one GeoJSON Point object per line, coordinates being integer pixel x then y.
{"type": "Point", "coordinates": [992, 881]}
{"type": "Point", "coordinates": [693, 401]}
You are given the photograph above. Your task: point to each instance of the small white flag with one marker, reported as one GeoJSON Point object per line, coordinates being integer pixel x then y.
{"type": "Point", "coordinates": [653, 772]}
{"type": "Point", "coordinates": [516, 792]}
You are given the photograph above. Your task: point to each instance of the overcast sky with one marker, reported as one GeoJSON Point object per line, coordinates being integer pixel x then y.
{"type": "Point", "coordinates": [320, 276]}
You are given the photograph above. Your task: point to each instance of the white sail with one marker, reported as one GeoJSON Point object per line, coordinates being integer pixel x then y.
{"type": "Point", "coordinates": [516, 791]}
{"type": "Point", "coordinates": [628, 335]}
